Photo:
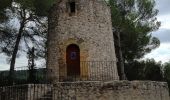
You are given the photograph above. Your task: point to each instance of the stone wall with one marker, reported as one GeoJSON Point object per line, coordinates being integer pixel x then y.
{"type": "Point", "coordinates": [39, 91]}
{"type": "Point", "coordinates": [19, 92]}
{"type": "Point", "coordinates": [89, 27]}
{"type": "Point", "coordinates": [115, 90]}
{"type": "Point", "coordinates": [26, 92]}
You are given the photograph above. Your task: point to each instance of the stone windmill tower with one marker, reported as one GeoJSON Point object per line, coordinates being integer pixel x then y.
{"type": "Point", "coordinates": [80, 41]}
{"type": "Point", "coordinates": [81, 49]}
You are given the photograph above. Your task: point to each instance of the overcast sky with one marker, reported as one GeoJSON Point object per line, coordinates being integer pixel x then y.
{"type": "Point", "coordinates": [163, 52]}
{"type": "Point", "coordinates": [160, 54]}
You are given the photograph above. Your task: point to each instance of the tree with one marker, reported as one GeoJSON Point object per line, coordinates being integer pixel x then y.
{"type": "Point", "coordinates": [144, 70]}
{"type": "Point", "coordinates": [31, 66]}
{"type": "Point", "coordinates": [167, 73]}
{"type": "Point", "coordinates": [118, 51]}
{"type": "Point", "coordinates": [31, 16]}
{"type": "Point", "coordinates": [134, 20]}
{"type": "Point", "coordinates": [135, 70]}
{"type": "Point", "coordinates": [153, 71]}
{"type": "Point", "coordinates": [3, 5]}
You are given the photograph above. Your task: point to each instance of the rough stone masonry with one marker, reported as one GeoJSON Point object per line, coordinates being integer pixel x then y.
{"type": "Point", "coordinates": [112, 90]}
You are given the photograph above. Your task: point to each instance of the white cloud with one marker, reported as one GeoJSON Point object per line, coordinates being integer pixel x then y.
{"type": "Point", "coordinates": [161, 54]}
{"type": "Point", "coordinates": [165, 21]}
{"type": "Point", "coordinates": [20, 62]}
{"type": "Point", "coordinates": [163, 6]}
{"type": "Point", "coordinates": [3, 64]}
{"type": "Point", "coordinates": [163, 35]}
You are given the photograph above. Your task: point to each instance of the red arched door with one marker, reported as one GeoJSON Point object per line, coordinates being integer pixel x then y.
{"type": "Point", "coordinates": [73, 60]}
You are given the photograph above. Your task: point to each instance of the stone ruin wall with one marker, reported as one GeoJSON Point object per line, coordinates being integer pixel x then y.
{"type": "Point", "coordinates": [90, 28]}
{"type": "Point", "coordinates": [25, 92]}
{"type": "Point", "coordinates": [113, 90]}
{"type": "Point", "coordinates": [116, 90]}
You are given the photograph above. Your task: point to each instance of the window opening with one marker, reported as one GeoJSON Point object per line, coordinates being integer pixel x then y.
{"type": "Point", "coordinates": [72, 7]}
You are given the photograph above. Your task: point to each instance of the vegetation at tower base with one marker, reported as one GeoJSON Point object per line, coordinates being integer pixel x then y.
{"type": "Point", "coordinates": [23, 77]}
{"type": "Point", "coordinates": [144, 70]}
{"type": "Point", "coordinates": [22, 26]}
{"type": "Point", "coordinates": [167, 73]}
{"type": "Point", "coordinates": [148, 70]}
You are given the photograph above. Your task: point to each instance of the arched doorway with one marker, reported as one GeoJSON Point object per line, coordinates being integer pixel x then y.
{"type": "Point", "coordinates": [73, 60]}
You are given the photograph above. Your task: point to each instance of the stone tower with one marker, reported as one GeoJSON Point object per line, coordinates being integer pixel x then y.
{"type": "Point", "coordinates": [81, 49]}
{"type": "Point", "coordinates": [80, 41]}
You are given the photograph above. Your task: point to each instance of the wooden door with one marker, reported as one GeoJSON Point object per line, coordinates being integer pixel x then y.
{"type": "Point", "coordinates": [73, 60]}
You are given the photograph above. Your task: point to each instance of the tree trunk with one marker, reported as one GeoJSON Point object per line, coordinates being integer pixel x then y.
{"type": "Point", "coordinates": [13, 59]}
{"type": "Point", "coordinates": [121, 60]}
{"type": "Point", "coordinates": [31, 66]}
{"type": "Point", "coordinates": [120, 63]}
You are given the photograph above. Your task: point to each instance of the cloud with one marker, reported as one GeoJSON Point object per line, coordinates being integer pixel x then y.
{"type": "Point", "coordinates": [161, 54]}
{"type": "Point", "coordinates": [163, 35]}
{"type": "Point", "coordinates": [165, 21]}
{"type": "Point", "coordinates": [163, 6]}
{"type": "Point", "coordinates": [3, 64]}
{"type": "Point", "coordinates": [164, 16]}
{"type": "Point", "coordinates": [20, 62]}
